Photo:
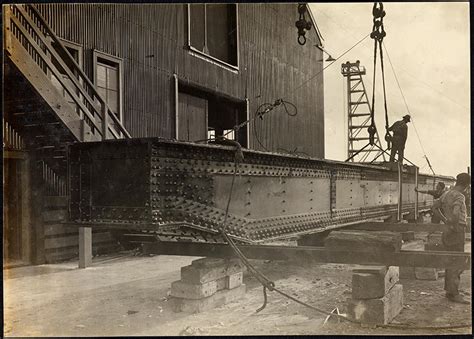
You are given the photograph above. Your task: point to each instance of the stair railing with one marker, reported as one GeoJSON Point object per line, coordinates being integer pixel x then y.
{"type": "Point", "coordinates": [26, 24]}
{"type": "Point", "coordinates": [54, 184]}
{"type": "Point", "coordinates": [11, 139]}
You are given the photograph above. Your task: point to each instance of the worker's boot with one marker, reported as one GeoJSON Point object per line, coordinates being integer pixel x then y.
{"type": "Point", "coordinates": [457, 299]}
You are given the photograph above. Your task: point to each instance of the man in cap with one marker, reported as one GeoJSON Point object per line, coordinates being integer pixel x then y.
{"type": "Point", "coordinates": [451, 209]}
{"type": "Point", "coordinates": [399, 138]}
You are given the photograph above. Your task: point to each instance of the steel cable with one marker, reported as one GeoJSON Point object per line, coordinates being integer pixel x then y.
{"type": "Point", "coordinates": [270, 285]}
{"type": "Point", "coordinates": [408, 109]}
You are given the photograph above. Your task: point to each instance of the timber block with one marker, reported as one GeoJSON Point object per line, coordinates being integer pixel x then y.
{"type": "Point", "coordinates": [199, 274]}
{"type": "Point", "coordinates": [221, 283]}
{"type": "Point", "coordinates": [231, 281]}
{"type": "Point", "coordinates": [374, 285]}
{"type": "Point", "coordinates": [377, 311]}
{"type": "Point", "coordinates": [426, 273]}
{"type": "Point", "coordinates": [181, 289]}
{"type": "Point", "coordinates": [217, 262]}
{"type": "Point", "coordinates": [364, 241]}
{"type": "Point", "coordinates": [218, 299]}
{"type": "Point", "coordinates": [234, 280]}
{"type": "Point", "coordinates": [434, 247]}
{"type": "Point", "coordinates": [435, 238]}
{"type": "Point", "coordinates": [407, 273]}
{"type": "Point", "coordinates": [408, 236]}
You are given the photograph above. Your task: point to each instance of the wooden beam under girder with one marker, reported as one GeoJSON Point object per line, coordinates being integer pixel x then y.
{"type": "Point", "coordinates": [316, 254]}
{"type": "Point", "coordinates": [399, 227]}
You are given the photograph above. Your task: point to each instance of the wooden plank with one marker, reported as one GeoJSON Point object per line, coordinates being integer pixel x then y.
{"type": "Point", "coordinates": [73, 240]}
{"type": "Point", "coordinates": [398, 227]}
{"type": "Point", "coordinates": [55, 201]}
{"type": "Point", "coordinates": [315, 255]}
{"type": "Point", "coordinates": [58, 229]}
{"type": "Point", "coordinates": [364, 241]}
{"type": "Point", "coordinates": [55, 215]}
{"type": "Point", "coordinates": [52, 258]}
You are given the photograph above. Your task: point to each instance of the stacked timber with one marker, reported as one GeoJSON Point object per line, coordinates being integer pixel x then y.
{"type": "Point", "coordinates": [61, 240]}
{"type": "Point", "coordinates": [434, 243]}
{"type": "Point", "coordinates": [376, 297]}
{"type": "Point", "coordinates": [206, 284]}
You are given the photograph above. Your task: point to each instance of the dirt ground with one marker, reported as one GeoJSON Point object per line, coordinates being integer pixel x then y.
{"type": "Point", "coordinates": [128, 295]}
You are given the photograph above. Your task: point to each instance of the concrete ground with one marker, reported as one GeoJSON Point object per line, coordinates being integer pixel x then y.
{"type": "Point", "coordinates": [128, 295]}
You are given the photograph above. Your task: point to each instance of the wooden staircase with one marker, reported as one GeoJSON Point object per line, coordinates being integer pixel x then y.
{"type": "Point", "coordinates": [50, 103]}
{"type": "Point", "coordinates": [49, 100]}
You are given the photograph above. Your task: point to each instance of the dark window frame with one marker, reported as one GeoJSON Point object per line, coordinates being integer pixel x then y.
{"type": "Point", "coordinates": [80, 53]}
{"type": "Point", "coordinates": [178, 83]}
{"type": "Point", "coordinates": [96, 55]}
{"type": "Point", "coordinates": [196, 52]}
{"type": "Point", "coordinates": [77, 47]}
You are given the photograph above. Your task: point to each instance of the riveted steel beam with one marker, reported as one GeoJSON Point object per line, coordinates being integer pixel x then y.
{"type": "Point", "coordinates": [151, 183]}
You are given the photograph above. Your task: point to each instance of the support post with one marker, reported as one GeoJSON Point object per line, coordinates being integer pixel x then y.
{"type": "Point", "coordinates": [105, 123]}
{"type": "Point", "coordinates": [417, 170]}
{"type": "Point", "coordinates": [26, 222]}
{"type": "Point", "coordinates": [37, 208]}
{"type": "Point", "coordinates": [176, 105]}
{"type": "Point", "coordinates": [85, 247]}
{"type": "Point", "coordinates": [399, 209]}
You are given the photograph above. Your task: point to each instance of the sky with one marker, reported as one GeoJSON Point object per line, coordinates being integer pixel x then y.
{"type": "Point", "coordinates": [428, 44]}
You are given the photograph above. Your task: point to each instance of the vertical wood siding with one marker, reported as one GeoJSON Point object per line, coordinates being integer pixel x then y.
{"type": "Point", "coordinates": [151, 40]}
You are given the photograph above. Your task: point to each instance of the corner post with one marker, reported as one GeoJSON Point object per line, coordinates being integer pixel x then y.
{"type": "Point", "coordinates": [417, 170]}
{"type": "Point", "coordinates": [105, 122]}
{"type": "Point", "coordinates": [85, 247]}
{"type": "Point", "coordinates": [399, 209]}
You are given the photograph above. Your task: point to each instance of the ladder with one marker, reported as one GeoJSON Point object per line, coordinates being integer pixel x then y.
{"type": "Point", "coordinates": [358, 110]}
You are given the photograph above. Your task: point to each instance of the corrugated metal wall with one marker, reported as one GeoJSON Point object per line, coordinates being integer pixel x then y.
{"type": "Point", "coordinates": [272, 65]}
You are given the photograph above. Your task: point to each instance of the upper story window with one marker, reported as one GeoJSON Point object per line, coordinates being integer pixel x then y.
{"type": "Point", "coordinates": [107, 76]}
{"type": "Point", "coordinates": [212, 30]}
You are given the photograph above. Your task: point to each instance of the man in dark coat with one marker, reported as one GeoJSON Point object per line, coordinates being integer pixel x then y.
{"type": "Point", "coordinates": [399, 138]}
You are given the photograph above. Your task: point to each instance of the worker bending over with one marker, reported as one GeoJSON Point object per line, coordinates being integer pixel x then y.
{"type": "Point", "coordinates": [451, 209]}
{"type": "Point", "coordinates": [399, 138]}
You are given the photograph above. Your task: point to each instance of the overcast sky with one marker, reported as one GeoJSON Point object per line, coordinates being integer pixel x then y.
{"type": "Point", "coordinates": [428, 44]}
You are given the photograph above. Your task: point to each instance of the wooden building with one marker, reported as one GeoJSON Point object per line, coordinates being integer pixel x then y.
{"type": "Point", "coordinates": [82, 72]}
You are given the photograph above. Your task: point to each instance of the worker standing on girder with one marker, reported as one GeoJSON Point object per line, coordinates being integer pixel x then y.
{"type": "Point", "coordinates": [436, 194]}
{"type": "Point", "coordinates": [399, 138]}
{"type": "Point", "coordinates": [451, 208]}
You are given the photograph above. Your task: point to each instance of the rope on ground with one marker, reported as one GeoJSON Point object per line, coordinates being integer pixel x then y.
{"type": "Point", "coordinates": [270, 285]}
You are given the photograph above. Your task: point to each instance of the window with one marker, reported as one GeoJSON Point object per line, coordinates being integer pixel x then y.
{"type": "Point", "coordinates": [212, 30]}
{"type": "Point", "coordinates": [202, 114]}
{"type": "Point", "coordinates": [107, 78]}
{"type": "Point", "coordinates": [75, 50]}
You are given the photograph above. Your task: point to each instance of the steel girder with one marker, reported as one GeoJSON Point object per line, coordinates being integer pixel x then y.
{"type": "Point", "coordinates": [179, 191]}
